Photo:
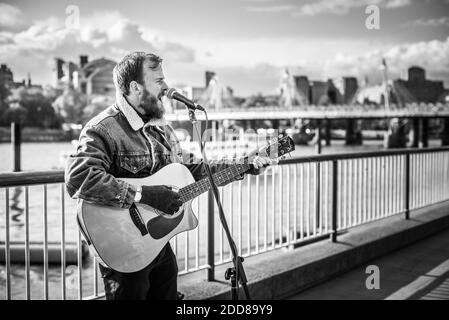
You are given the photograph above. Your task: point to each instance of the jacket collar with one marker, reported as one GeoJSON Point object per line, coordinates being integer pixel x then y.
{"type": "Point", "coordinates": [133, 118]}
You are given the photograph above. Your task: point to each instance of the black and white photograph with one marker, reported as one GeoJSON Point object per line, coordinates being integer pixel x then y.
{"type": "Point", "coordinates": [224, 150]}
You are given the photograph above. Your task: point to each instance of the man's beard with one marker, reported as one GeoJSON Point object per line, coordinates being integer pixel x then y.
{"type": "Point", "coordinates": [152, 106]}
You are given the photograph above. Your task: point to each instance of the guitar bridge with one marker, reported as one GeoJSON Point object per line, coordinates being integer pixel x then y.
{"type": "Point", "coordinates": [137, 219]}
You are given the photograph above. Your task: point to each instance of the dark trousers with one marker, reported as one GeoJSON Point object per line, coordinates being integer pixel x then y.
{"type": "Point", "coordinates": [157, 281]}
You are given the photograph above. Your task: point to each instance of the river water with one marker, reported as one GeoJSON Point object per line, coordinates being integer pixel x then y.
{"type": "Point", "coordinates": [49, 156]}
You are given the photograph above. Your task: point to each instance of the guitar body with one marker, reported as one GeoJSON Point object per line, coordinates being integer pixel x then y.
{"type": "Point", "coordinates": [116, 239]}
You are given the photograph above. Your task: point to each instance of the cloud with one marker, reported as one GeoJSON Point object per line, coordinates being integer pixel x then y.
{"type": "Point", "coordinates": [396, 3]}
{"type": "Point", "coordinates": [443, 21]}
{"type": "Point", "coordinates": [271, 9]}
{"type": "Point", "coordinates": [106, 34]}
{"type": "Point", "coordinates": [10, 16]}
{"type": "Point", "coordinates": [260, 1]}
{"type": "Point", "coordinates": [431, 55]}
{"type": "Point", "coordinates": [255, 65]}
{"type": "Point", "coordinates": [340, 7]}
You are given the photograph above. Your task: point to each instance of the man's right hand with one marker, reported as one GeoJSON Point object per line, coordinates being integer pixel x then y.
{"type": "Point", "coordinates": [161, 198]}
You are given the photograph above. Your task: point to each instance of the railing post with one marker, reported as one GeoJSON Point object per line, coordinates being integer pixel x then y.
{"type": "Point", "coordinates": [407, 186]}
{"type": "Point", "coordinates": [318, 194]}
{"type": "Point", "coordinates": [210, 237]}
{"type": "Point", "coordinates": [334, 200]}
{"type": "Point", "coordinates": [15, 144]}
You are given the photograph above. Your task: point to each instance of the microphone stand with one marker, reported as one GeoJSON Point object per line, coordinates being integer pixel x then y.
{"type": "Point", "coordinates": [236, 274]}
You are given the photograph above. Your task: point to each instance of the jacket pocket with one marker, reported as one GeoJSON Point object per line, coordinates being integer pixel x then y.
{"type": "Point", "coordinates": [134, 161]}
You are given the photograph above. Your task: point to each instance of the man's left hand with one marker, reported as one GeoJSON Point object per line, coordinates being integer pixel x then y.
{"type": "Point", "coordinates": [260, 163]}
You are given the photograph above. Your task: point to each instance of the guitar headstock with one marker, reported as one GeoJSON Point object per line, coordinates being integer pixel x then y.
{"type": "Point", "coordinates": [279, 147]}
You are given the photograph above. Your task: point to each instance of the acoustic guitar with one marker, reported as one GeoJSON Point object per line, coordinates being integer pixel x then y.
{"type": "Point", "coordinates": [128, 240]}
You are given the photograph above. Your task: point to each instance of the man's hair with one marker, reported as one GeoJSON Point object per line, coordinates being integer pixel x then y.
{"type": "Point", "coordinates": [130, 69]}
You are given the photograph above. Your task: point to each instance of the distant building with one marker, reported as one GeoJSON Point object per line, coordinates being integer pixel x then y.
{"type": "Point", "coordinates": [397, 94]}
{"type": "Point", "coordinates": [95, 77]}
{"type": "Point", "coordinates": [422, 89]}
{"type": "Point", "coordinates": [58, 72]}
{"type": "Point", "coordinates": [319, 93]}
{"type": "Point", "coordinates": [332, 91]}
{"type": "Point", "coordinates": [92, 78]}
{"type": "Point", "coordinates": [7, 77]}
{"type": "Point", "coordinates": [209, 75]}
{"type": "Point", "coordinates": [303, 86]}
{"type": "Point", "coordinates": [290, 95]}
{"type": "Point", "coordinates": [444, 97]}
{"type": "Point", "coordinates": [413, 90]}
{"type": "Point", "coordinates": [350, 89]}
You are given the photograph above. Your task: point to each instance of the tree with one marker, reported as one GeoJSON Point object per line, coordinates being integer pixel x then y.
{"type": "Point", "coordinates": [256, 101]}
{"type": "Point", "coordinates": [4, 93]}
{"type": "Point", "coordinates": [34, 106]}
{"type": "Point", "coordinates": [95, 107]}
{"type": "Point", "coordinates": [70, 105]}
{"type": "Point", "coordinates": [16, 113]}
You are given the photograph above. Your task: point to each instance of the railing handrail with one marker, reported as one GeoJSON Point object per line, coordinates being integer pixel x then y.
{"type": "Point", "coordinates": [360, 155]}
{"type": "Point", "coordinates": [31, 178]}
{"type": "Point", "coordinates": [57, 176]}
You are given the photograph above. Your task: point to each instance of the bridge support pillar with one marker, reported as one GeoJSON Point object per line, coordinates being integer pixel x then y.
{"type": "Point", "coordinates": [353, 132]}
{"type": "Point", "coordinates": [253, 124]}
{"type": "Point", "coordinates": [445, 132]}
{"type": "Point", "coordinates": [318, 136]}
{"type": "Point", "coordinates": [415, 132]}
{"type": "Point", "coordinates": [327, 132]}
{"type": "Point", "coordinates": [424, 136]}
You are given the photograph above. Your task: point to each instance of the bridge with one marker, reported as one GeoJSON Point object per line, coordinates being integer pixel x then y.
{"type": "Point", "coordinates": [415, 115]}
{"type": "Point", "coordinates": [321, 216]}
{"type": "Point", "coordinates": [415, 110]}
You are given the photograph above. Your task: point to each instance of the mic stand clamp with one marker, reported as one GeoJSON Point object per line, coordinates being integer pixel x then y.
{"type": "Point", "coordinates": [192, 117]}
{"type": "Point", "coordinates": [236, 274]}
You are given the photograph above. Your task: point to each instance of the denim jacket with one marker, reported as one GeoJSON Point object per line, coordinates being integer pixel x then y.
{"type": "Point", "coordinates": [118, 144]}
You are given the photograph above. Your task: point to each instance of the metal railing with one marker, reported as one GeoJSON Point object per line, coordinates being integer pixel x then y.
{"type": "Point", "coordinates": [297, 201]}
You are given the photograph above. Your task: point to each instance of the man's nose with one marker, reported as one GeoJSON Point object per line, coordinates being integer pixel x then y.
{"type": "Point", "coordinates": [164, 87]}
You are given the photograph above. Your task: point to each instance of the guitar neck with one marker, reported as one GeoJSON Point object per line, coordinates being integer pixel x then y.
{"type": "Point", "coordinates": [222, 177]}
{"type": "Point", "coordinates": [280, 146]}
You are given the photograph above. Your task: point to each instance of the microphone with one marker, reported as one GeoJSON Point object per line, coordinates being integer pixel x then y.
{"type": "Point", "coordinates": [173, 94]}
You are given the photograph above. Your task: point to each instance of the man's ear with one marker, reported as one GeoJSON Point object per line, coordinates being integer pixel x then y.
{"type": "Point", "coordinates": [134, 87]}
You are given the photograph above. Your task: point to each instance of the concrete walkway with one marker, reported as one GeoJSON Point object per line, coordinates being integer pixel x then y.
{"type": "Point", "coordinates": [419, 271]}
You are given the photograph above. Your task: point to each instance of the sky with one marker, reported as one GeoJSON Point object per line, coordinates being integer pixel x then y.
{"type": "Point", "coordinates": [248, 43]}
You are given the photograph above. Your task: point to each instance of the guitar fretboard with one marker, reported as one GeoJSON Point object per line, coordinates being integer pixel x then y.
{"type": "Point", "coordinates": [222, 177]}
